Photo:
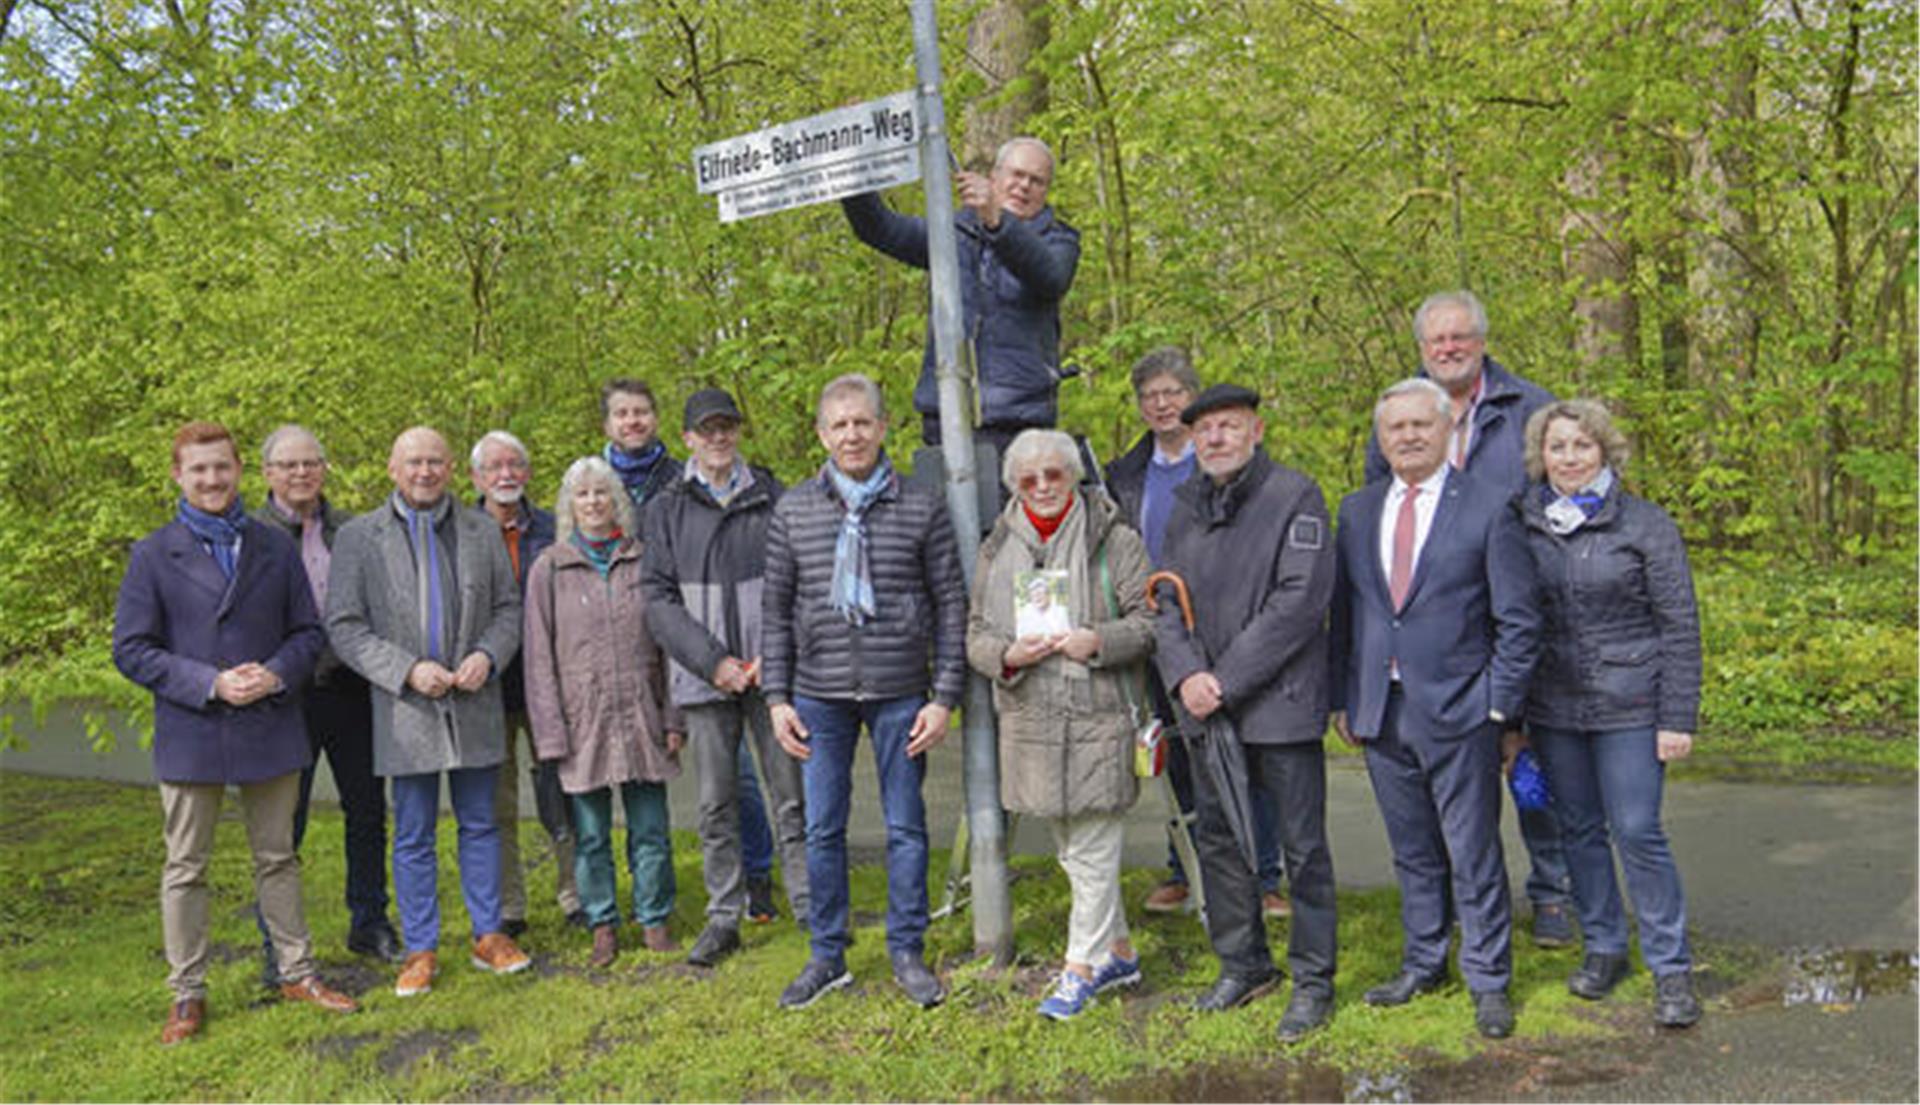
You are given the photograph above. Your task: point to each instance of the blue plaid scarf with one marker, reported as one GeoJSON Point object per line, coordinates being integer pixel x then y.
{"type": "Point", "coordinates": [852, 593]}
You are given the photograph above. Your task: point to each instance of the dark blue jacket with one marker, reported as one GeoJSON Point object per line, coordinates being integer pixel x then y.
{"type": "Point", "coordinates": [534, 541]}
{"type": "Point", "coordinates": [179, 624]}
{"type": "Point", "coordinates": [1622, 637]}
{"type": "Point", "coordinates": [1469, 634]}
{"type": "Point", "coordinates": [1011, 282]}
{"type": "Point", "coordinates": [1497, 451]}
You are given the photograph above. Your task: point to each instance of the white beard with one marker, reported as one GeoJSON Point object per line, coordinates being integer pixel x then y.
{"type": "Point", "coordinates": [507, 496]}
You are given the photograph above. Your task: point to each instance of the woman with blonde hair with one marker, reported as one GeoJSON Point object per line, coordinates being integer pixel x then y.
{"type": "Point", "coordinates": [1616, 696]}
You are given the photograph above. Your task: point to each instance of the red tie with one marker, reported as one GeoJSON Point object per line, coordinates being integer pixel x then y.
{"type": "Point", "coordinates": [1401, 579]}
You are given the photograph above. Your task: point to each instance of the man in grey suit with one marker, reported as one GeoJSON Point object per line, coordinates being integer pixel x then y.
{"type": "Point", "coordinates": [1434, 635]}
{"type": "Point", "coordinates": [421, 601]}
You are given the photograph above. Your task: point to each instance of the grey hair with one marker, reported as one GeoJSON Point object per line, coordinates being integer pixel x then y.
{"type": "Point", "coordinates": [285, 432]}
{"type": "Point", "coordinates": [1033, 445]}
{"type": "Point", "coordinates": [497, 437]}
{"type": "Point", "coordinates": [853, 383]}
{"type": "Point", "coordinates": [1594, 420]}
{"type": "Point", "coordinates": [579, 472]}
{"type": "Point", "coordinates": [1168, 360]}
{"type": "Point", "coordinates": [1461, 298]}
{"type": "Point", "coordinates": [1416, 385]}
{"type": "Point", "coordinates": [1006, 150]}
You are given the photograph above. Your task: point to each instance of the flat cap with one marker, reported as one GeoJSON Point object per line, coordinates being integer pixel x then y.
{"type": "Point", "coordinates": [710, 403]}
{"type": "Point", "coordinates": [1218, 398]}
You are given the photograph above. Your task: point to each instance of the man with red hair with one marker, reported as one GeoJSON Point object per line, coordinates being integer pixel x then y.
{"type": "Point", "coordinates": [216, 619]}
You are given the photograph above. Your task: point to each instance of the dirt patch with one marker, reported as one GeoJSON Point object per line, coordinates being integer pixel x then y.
{"type": "Point", "coordinates": [339, 1049]}
{"type": "Point", "coordinates": [409, 1049]}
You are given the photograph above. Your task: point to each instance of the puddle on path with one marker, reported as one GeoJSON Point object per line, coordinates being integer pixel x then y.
{"type": "Point", "coordinates": [1836, 976]}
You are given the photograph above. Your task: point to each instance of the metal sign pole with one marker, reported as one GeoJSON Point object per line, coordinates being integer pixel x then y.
{"type": "Point", "coordinates": [992, 907]}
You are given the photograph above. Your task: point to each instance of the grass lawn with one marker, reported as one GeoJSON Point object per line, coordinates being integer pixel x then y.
{"type": "Point", "coordinates": [82, 996]}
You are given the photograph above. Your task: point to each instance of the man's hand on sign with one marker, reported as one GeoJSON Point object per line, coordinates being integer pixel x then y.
{"type": "Point", "coordinates": [976, 192]}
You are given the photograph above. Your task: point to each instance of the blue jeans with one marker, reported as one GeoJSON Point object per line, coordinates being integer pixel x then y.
{"type": "Point", "coordinates": [649, 853]}
{"type": "Point", "coordinates": [1606, 789]}
{"type": "Point", "coordinates": [416, 866]}
{"type": "Point", "coordinates": [828, 778]}
{"type": "Point", "coordinates": [756, 835]}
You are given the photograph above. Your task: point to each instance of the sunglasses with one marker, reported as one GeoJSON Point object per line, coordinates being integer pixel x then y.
{"type": "Point", "coordinates": [1030, 480]}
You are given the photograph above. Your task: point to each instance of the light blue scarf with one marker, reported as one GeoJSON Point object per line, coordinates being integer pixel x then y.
{"type": "Point", "coordinates": [852, 593]}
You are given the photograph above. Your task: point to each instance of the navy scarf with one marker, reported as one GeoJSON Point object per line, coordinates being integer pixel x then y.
{"type": "Point", "coordinates": [220, 533]}
{"type": "Point", "coordinates": [634, 469]}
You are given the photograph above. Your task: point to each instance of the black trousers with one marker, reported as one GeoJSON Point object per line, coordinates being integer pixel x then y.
{"type": "Point", "coordinates": [339, 720]}
{"type": "Point", "coordinates": [1295, 778]}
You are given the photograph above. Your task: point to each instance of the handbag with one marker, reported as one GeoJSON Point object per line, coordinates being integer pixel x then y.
{"type": "Point", "coordinates": [1149, 736]}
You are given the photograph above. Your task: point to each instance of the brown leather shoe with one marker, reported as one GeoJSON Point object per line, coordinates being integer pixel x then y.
{"type": "Point", "coordinates": [416, 976]}
{"type": "Point", "coordinates": [183, 1020]}
{"type": "Point", "coordinates": [497, 952]}
{"type": "Point", "coordinates": [606, 945]}
{"type": "Point", "coordinates": [313, 991]}
{"type": "Point", "coordinates": [1275, 904]}
{"type": "Point", "coordinates": [658, 939]}
{"type": "Point", "coordinates": [1168, 897]}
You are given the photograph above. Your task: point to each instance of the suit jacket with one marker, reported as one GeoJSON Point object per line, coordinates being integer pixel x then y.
{"type": "Point", "coordinates": [373, 620]}
{"type": "Point", "coordinates": [1469, 635]}
{"type": "Point", "coordinates": [1496, 453]}
{"type": "Point", "coordinates": [179, 623]}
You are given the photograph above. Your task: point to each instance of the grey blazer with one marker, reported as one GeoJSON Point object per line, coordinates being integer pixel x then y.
{"type": "Point", "coordinates": [373, 623]}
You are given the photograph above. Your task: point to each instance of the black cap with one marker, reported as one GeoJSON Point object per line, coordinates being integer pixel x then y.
{"type": "Point", "coordinates": [710, 403]}
{"type": "Point", "coordinates": [1218, 398]}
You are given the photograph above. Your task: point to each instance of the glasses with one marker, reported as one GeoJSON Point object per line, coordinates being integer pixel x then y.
{"type": "Point", "coordinates": [1030, 480]}
{"type": "Point", "coordinates": [298, 465]}
{"type": "Point", "coordinates": [1162, 395]}
{"type": "Point", "coordinates": [1450, 339]}
{"type": "Point", "coordinates": [717, 428]}
{"type": "Point", "coordinates": [514, 464]}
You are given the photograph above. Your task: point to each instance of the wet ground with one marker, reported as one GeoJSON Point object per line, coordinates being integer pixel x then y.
{"type": "Point", "coordinates": [1822, 880]}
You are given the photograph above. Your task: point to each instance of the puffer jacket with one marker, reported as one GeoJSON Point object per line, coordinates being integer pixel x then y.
{"type": "Point", "coordinates": [1066, 728]}
{"type": "Point", "coordinates": [596, 682]}
{"type": "Point", "coordinates": [1011, 282]}
{"type": "Point", "coordinates": [702, 570]}
{"type": "Point", "coordinates": [1621, 641]}
{"type": "Point", "coordinates": [809, 648]}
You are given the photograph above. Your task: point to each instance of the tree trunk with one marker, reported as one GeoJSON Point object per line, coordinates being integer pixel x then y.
{"type": "Point", "coordinates": [1722, 276]}
{"type": "Point", "coordinates": [1600, 256]}
{"type": "Point", "coordinates": [1001, 44]}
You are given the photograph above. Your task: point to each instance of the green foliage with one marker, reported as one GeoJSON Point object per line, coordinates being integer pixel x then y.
{"type": "Point", "coordinates": [363, 217]}
{"type": "Point", "coordinates": [1825, 659]}
{"type": "Point", "coordinates": [82, 961]}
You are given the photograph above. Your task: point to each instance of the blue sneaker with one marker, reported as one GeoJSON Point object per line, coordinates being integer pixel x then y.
{"type": "Point", "coordinates": [1116, 972]}
{"type": "Point", "coordinates": [1070, 995]}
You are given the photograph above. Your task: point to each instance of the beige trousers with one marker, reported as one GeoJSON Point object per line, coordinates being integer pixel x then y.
{"type": "Point", "coordinates": [1089, 850]}
{"type": "Point", "coordinates": [191, 810]}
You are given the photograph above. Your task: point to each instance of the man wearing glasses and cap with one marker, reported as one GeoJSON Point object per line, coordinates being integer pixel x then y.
{"type": "Point", "coordinates": [703, 563]}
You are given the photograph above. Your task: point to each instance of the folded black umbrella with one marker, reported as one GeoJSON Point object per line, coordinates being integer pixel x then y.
{"type": "Point", "coordinates": [1216, 747]}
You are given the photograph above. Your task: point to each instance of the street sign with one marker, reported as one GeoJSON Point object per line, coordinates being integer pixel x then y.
{"type": "Point", "coordinates": [822, 157]}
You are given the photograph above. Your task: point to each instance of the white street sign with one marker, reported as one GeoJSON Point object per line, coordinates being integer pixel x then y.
{"type": "Point", "coordinates": [822, 157]}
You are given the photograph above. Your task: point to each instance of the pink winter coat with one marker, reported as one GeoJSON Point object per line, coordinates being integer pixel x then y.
{"type": "Point", "coordinates": [596, 681]}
